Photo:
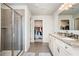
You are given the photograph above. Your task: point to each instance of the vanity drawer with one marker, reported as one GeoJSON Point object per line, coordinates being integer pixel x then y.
{"type": "Point", "coordinates": [65, 46]}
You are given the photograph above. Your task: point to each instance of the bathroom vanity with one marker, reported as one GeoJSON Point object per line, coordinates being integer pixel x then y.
{"type": "Point", "coordinates": [63, 46]}
{"type": "Point", "coordinates": [66, 43]}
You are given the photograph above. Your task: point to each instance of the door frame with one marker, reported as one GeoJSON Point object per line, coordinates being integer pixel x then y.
{"type": "Point", "coordinates": [42, 29]}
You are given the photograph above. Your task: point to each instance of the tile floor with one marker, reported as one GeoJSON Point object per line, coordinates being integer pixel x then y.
{"type": "Point", "coordinates": [38, 49]}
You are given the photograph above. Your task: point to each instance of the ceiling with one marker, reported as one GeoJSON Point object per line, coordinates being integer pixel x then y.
{"type": "Point", "coordinates": [43, 8]}
{"type": "Point", "coordinates": [40, 8]}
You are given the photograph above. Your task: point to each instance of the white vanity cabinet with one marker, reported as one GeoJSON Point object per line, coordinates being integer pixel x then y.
{"type": "Point", "coordinates": [56, 50]}
{"type": "Point", "coordinates": [53, 46]}
{"type": "Point", "coordinates": [67, 48]}
{"type": "Point", "coordinates": [63, 49]}
{"type": "Point", "coordinates": [51, 41]}
{"type": "Point", "coordinates": [63, 52]}
{"type": "Point", "coordinates": [59, 48]}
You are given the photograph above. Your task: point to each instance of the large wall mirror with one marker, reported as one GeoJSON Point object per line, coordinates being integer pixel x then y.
{"type": "Point", "coordinates": [69, 18]}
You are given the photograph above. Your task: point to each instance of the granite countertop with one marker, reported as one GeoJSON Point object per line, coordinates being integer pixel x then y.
{"type": "Point", "coordinates": [67, 40]}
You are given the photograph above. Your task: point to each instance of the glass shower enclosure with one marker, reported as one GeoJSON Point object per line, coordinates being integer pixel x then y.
{"type": "Point", "coordinates": [11, 31]}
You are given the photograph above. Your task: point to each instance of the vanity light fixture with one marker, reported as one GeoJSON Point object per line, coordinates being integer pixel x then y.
{"type": "Point", "coordinates": [70, 5]}
{"type": "Point", "coordinates": [61, 8]}
{"type": "Point", "coordinates": [66, 6]}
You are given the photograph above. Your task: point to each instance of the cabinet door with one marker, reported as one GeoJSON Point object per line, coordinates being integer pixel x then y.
{"type": "Point", "coordinates": [64, 52]}
{"type": "Point", "coordinates": [56, 48]}
{"type": "Point", "coordinates": [57, 51]}
{"type": "Point", "coordinates": [50, 42]}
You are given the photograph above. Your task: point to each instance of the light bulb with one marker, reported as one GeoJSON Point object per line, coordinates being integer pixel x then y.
{"type": "Point", "coordinates": [70, 5]}
{"type": "Point", "coordinates": [66, 8]}
{"type": "Point", "coordinates": [61, 8]}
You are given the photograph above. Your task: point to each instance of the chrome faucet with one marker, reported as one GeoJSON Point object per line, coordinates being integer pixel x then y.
{"type": "Point", "coordinates": [72, 35]}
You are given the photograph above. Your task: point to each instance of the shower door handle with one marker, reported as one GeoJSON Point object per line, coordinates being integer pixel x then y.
{"type": "Point", "coordinates": [3, 28]}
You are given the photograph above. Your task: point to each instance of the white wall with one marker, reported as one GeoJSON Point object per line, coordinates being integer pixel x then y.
{"type": "Point", "coordinates": [26, 24]}
{"type": "Point", "coordinates": [47, 26]}
{"type": "Point", "coordinates": [27, 28]}
{"type": "Point", "coordinates": [55, 18]}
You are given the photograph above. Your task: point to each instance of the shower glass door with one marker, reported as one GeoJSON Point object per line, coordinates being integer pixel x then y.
{"type": "Point", "coordinates": [6, 31]}
{"type": "Point", "coordinates": [11, 31]}
{"type": "Point", "coordinates": [17, 33]}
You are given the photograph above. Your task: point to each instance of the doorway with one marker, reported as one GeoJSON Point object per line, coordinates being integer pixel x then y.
{"type": "Point", "coordinates": [38, 30]}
